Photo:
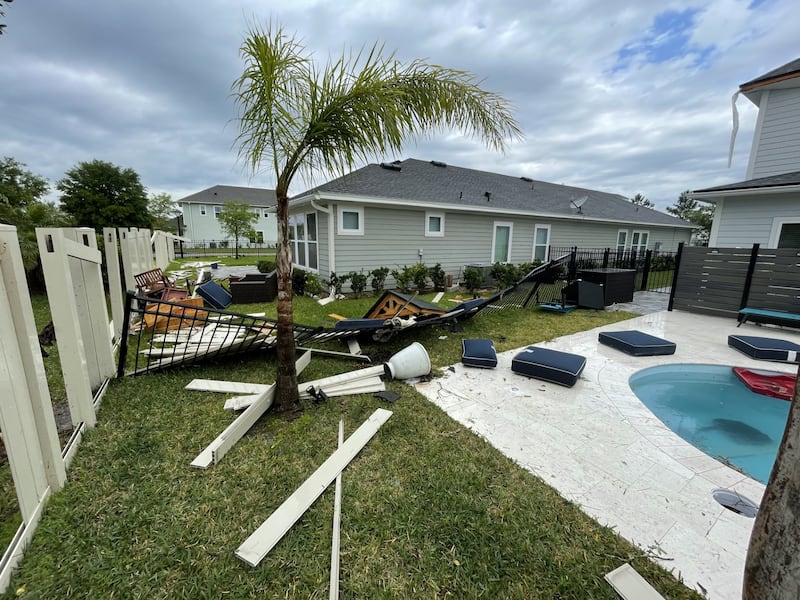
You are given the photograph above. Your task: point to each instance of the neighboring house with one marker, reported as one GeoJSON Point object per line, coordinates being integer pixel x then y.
{"type": "Point", "coordinates": [397, 214]}
{"type": "Point", "coordinates": [201, 213]}
{"type": "Point", "coordinates": [765, 208]}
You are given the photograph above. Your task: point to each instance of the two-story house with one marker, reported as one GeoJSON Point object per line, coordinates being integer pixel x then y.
{"type": "Point", "coordinates": [765, 207]}
{"type": "Point", "coordinates": [201, 213]}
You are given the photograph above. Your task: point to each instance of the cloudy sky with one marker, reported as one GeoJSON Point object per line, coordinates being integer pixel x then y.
{"type": "Point", "coordinates": [614, 95]}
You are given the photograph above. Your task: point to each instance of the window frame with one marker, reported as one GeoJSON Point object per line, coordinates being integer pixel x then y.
{"type": "Point", "coordinates": [340, 210]}
{"type": "Point", "coordinates": [216, 211]}
{"type": "Point", "coordinates": [306, 243]}
{"type": "Point", "coordinates": [536, 245]}
{"type": "Point", "coordinates": [638, 246]}
{"type": "Point", "coordinates": [625, 242]}
{"type": "Point", "coordinates": [434, 214]}
{"type": "Point", "coordinates": [203, 210]}
{"type": "Point", "coordinates": [777, 228]}
{"type": "Point", "coordinates": [510, 226]}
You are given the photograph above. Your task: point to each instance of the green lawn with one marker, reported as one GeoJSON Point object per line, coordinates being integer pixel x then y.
{"type": "Point", "coordinates": [430, 510]}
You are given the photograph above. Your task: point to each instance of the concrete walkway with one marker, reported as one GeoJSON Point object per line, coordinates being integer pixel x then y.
{"type": "Point", "coordinates": [601, 448]}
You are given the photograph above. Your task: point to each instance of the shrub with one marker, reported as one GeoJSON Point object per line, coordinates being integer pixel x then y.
{"type": "Point", "coordinates": [313, 285]}
{"type": "Point", "coordinates": [265, 266]}
{"type": "Point", "coordinates": [505, 275]}
{"type": "Point", "coordinates": [336, 282]}
{"type": "Point", "coordinates": [379, 279]}
{"type": "Point", "coordinates": [419, 275]}
{"type": "Point", "coordinates": [403, 279]}
{"type": "Point", "coordinates": [438, 277]}
{"type": "Point", "coordinates": [473, 280]}
{"type": "Point", "coordinates": [299, 282]}
{"type": "Point", "coordinates": [358, 282]}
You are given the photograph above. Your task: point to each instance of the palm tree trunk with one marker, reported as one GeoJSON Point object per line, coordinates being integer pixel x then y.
{"type": "Point", "coordinates": [286, 396]}
{"type": "Point", "coordinates": [772, 568]}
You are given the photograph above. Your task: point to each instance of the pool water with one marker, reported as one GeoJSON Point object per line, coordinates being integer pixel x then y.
{"type": "Point", "coordinates": [709, 407]}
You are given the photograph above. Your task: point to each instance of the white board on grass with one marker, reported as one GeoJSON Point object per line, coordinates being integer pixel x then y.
{"type": "Point", "coordinates": [630, 585]}
{"type": "Point", "coordinates": [263, 539]}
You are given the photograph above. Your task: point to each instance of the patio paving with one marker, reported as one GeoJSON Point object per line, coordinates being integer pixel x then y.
{"type": "Point", "coordinates": [601, 448]}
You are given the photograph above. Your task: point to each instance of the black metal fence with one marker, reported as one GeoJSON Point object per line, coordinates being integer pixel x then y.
{"type": "Point", "coordinates": [222, 248]}
{"type": "Point", "coordinates": [654, 268]}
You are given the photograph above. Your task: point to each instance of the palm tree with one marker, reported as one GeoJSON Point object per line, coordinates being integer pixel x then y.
{"type": "Point", "coordinates": [772, 568]}
{"type": "Point", "coordinates": [295, 118]}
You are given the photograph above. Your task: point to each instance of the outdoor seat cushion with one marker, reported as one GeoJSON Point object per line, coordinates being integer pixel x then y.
{"type": "Point", "coordinates": [355, 324]}
{"type": "Point", "coordinates": [549, 365]}
{"type": "Point", "coordinates": [764, 348]}
{"type": "Point", "coordinates": [213, 293]}
{"type": "Point", "coordinates": [637, 343]}
{"type": "Point", "coordinates": [478, 353]}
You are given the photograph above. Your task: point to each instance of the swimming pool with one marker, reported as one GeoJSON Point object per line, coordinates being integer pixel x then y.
{"type": "Point", "coordinates": [711, 409]}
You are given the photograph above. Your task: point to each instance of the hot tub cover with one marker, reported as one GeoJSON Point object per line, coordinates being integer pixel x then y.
{"type": "Point", "coordinates": [637, 343]}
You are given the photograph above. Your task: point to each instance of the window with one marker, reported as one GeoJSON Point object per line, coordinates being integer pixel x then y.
{"type": "Point", "coordinates": [622, 239]}
{"type": "Point", "coordinates": [351, 221]}
{"type": "Point", "coordinates": [203, 211]}
{"type": "Point", "coordinates": [303, 234]}
{"type": "Point", "coordinates": [639, 240]}
{"type": "Point", "coordinates": [434, 224]}
{"type": "Point", "coordinates": [541, 242]}
{"type": "Point", "coordinates": [790, 236]}
{"type": "Point", "coordinates": [217, 210]}
{"type": "Point", "coordinates": [501, 242]}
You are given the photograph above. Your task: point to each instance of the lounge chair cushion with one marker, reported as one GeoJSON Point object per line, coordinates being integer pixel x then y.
{"type": "Point", "coordinates": [637, 343]}
{"type": "Point", "coordinates": [764, 348]}
{"type": "Point", "coordinates": [478, 353]}
{"type": "Point", "coordinates": [356, 324]}
{"type": "Point", "coordinates": [213, 293]}
{"type": "Point", "coordinates": [549, 365]}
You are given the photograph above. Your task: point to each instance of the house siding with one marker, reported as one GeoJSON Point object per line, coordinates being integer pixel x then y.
{"type": "Point", "coordinates": [393, 237]}
{"type": "Point", "coordinates": [206, 227]}
{"type": "Point", "coordinates": [774, 150]}
{"type": "Point", "coordinates": [744, 221]}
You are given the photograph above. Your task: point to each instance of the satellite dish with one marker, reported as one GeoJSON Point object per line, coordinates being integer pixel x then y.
{"type": "Point", "coordinates": [577, 203]}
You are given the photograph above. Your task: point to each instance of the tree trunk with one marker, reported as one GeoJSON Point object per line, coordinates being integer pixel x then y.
{"type": "Point", "coordinates": [287, 398]}
{"type": "Point", "coordinates": [772, 569]}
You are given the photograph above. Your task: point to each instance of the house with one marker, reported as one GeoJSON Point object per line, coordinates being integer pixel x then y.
{"type": "Point", "coordinates": [201, 213]}
{"type": "Point", "coordinates": [765, 207]}
{"type": "Point", "coordinates": [404, 212]}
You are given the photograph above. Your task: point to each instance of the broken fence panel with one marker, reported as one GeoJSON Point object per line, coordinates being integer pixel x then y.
{"type": "Point", "coordinates": [263, 539]}
{"type": "Point", "coordinates": [337, 519]}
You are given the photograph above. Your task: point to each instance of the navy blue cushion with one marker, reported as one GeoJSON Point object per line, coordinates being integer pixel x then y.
{"type": "Point", "coordinates": [637, 343]}
{"type": "Point", "coordinates": [356, 324]}
{"type": "Point", "coordinates": [213, 293]}
{"type": "Point", "coordinates": [467, 305]}
{"type": "Point", "coordinates": [478, 353]}
{"type": "Point", "coordinates": [549, 365]}
{"type": "Point", "coordinates": [764, 348]}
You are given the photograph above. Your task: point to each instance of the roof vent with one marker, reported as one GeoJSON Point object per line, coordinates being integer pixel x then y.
{"type": "Point", "coordinates": [438, 163]}
{"type": "Point", "coordinates": [488, 196]}
{"type": "Point", "coordinates": [391, 166]}
{"type": "Point", "coordinates": [528, 179]}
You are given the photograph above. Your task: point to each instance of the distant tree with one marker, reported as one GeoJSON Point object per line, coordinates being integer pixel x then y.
{"type": "Point", "coordinates": [3, 13]}
{"type": "Point", "coordinates": [236, 219]}
{"type": "Point", "coordinates": [99, 194]}
{"type": "Point", "coordinates": [640, 200]}
{"type": "Point", "coordinates": [688, 209]}
{"type": "Point", "coordinates": [22, 205]}
{"type": "Point", "coordinates": [298, 117]}
{"type": "Point", "coordinates": [162, 209]}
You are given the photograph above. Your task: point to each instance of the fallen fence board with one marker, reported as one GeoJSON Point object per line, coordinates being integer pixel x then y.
{"type": "Point", "coordinates": [263, 539]}
{"type": "Point", "coordinates": [337, 519]}
{"type": "Point", "coordinates": [226, 387]}
{"type": "Point", "coordinates": [214, 452]}
{"type": "Point", "coordinates": [630, 585]}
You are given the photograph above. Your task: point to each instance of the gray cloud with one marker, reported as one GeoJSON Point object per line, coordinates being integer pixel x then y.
{"type": "Point", "coordinates": [147, 85]}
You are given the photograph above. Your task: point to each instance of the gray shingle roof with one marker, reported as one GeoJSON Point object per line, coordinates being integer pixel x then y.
{"type": "Point", "coordinates": [219, 194]}
{"type": "Point", "coordinates": [437, 184]}
{"type": "Point", "coordinates": [784, 179]}
{"type": "Point", "coordinates": [790, 68]}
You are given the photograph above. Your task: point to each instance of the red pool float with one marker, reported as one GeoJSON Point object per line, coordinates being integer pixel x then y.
{"type": "Point", "coordinates": [776, 385]}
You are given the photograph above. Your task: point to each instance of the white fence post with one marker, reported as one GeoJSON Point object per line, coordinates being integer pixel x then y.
{"type": "Point", "coordinates": [111, 248]}
{"type": "Point", "coordinates": [126, 249]}
{"type": "Point", "coordinates": [160, 241]}
{"type": "Point", "coordinates": [26, 413]}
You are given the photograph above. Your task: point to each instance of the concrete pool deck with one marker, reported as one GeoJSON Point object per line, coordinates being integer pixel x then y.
{"type": "Point", "coordinates": [601, 448]}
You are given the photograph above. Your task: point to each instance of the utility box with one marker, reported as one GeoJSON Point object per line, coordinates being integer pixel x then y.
{"type": "Point", "coordinates": [617, 284]}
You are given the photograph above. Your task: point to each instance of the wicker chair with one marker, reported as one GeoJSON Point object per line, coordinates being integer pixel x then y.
{"type": "Point", "coordinates": [255, 287]}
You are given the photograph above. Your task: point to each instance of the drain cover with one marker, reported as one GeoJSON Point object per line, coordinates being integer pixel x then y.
{"type": "Point", "coordinates": [735, 502]}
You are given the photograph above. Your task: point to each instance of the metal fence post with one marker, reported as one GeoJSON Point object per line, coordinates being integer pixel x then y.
{"type": "Point", "coordinates": [749, 278]}
{"type": "Point", "coordinates": [648, 257]}
{"type": "Point", "coordinates": [605, 257]}
{"type": "Point", "coordinates": [675, 276]}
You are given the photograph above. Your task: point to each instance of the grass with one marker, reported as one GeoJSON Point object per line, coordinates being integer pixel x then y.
{"type": "Point", "coordinates": [430, 509]}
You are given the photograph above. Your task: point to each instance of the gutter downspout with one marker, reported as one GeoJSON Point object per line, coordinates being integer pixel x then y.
{"type": "Point", "coordinates": [331, 244]}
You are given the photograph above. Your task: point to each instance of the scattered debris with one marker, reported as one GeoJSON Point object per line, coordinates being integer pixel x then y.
{"type": "Point", "coordinates": [387, 395]}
